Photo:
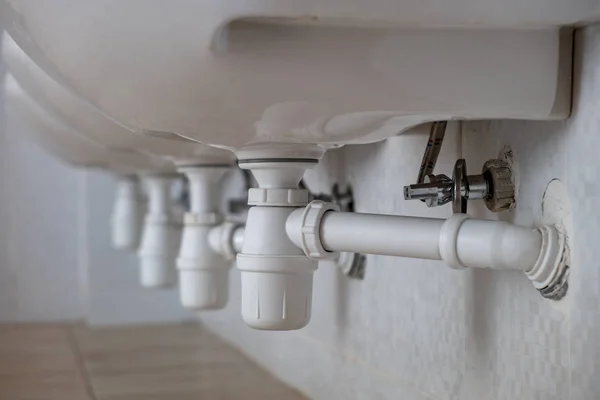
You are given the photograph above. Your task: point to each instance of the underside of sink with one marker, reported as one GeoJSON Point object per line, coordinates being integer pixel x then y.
{"type": "Point", "coordinates": [89, 122]}
{"type": "Point", "coordinates": [65, 143]}
{"type": "Point", "coordinates": [237, 73]}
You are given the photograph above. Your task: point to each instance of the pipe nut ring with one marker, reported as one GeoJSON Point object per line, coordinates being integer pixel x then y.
{"type": "Point", "coordinates": [277, 197]}
{"type": "Point", "coordinates": [227, 230]}
{"type": "Point", "coordinates": [208, 219]}
{"type": "Point", "coordinates": [311, 230]}
{"type": "Point", "coordinates": [448, 239]}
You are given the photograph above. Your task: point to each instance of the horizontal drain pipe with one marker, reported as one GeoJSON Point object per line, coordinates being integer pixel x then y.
{"type": "Point", "coordinates": [227, 239]}
{"type": "Point", "coordinates": [459, 241]}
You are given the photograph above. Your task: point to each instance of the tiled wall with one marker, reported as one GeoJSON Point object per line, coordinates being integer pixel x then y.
{"type": "Point", "coordinates": [416, 330]}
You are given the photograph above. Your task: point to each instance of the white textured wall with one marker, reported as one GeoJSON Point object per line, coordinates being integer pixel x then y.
{"type": "Point", "coordinates": [416, 330]}
{"type": "Point", "coordinates": [39, 237]}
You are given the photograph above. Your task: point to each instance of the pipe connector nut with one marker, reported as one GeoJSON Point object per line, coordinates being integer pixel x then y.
{"type": "Point", "coordinates": [277, 197]}
{"type": "Point", "coordinates": [499, 176]}
{"type": "Point", "coordinates": [448, 241]}
{"type": "Point", "coordinates": [207, 219]}
{"type": "Point", "coordinates": [311, 230]}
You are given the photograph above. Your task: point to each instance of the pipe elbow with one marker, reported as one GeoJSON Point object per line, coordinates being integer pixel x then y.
{"type": "Point", "coordinates": [293, 227]}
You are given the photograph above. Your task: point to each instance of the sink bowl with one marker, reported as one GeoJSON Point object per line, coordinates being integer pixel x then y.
{"type": "Point", "coordinates": [235, 73]}
{"type": "Point", "coordinates": [89, 122]}
{"type": "Point", "coordinates": [65, 143]}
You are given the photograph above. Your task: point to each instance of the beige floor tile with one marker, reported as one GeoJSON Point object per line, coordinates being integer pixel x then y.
{"type": "Point", "coordinates": [142, 337]}
{"type": "Point", "coordinates": [212, 394]}
{"type": "Point", "coordinates": [177, 362]}
{"type": "Point", "coordinates": [43, 386]}
{"type": "Point", "coordinates": [185, 379]}
{"type": "Point", "coordinates": [35, 349]}
{"type": "Point", "coordinates": [32, 363]}
{"type": "Point", "coordinates": [136, 360]}
{"type": "Point", "coordinates": [33, 339]}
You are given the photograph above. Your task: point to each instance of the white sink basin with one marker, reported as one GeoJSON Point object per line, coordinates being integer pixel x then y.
{"type": "Point", "coordinates": [86, 120]}
{"type": "Point", "coordinates": [231, 73]}
{"type": "Point", "coordinates": [67, 144]}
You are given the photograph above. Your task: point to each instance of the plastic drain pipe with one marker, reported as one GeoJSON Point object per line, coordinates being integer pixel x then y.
{"type": "Point", "coordinates": [227, 239]}
{"type": "Point", "coordinates": [161, 235]}
{"type": "Point", "coordinates": [285, 237]}
{"type": "Point", "coordinates": [276, 275]}
{"type": "Point", "coordinates": [459, 241]}
{"type": "Point", "coordinates": [203, 272]}
{"type": "Point", "coordinates": [128, 214]}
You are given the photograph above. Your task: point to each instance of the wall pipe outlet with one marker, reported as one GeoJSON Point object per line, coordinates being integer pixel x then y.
{"type": "Point", "coordinates": [161, 234]}
{"type": "Point", "coordinates": [203, 272]}
{"type": "Point", "coordinates": [128, 213]}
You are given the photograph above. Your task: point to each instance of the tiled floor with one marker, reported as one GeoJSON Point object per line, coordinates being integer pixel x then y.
{"type": "Point", "coordinates": [176, 362]}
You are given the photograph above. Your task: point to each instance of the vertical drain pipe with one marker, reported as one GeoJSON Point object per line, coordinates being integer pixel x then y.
{"type": "Point", "coordinates": [276, 276]}
{"type": "Point", "coordinates": [203, 272]}
{"type": "Point", "coordinates": [128, 214]}
{"type": "Point", "coordinates": [161, 236]}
